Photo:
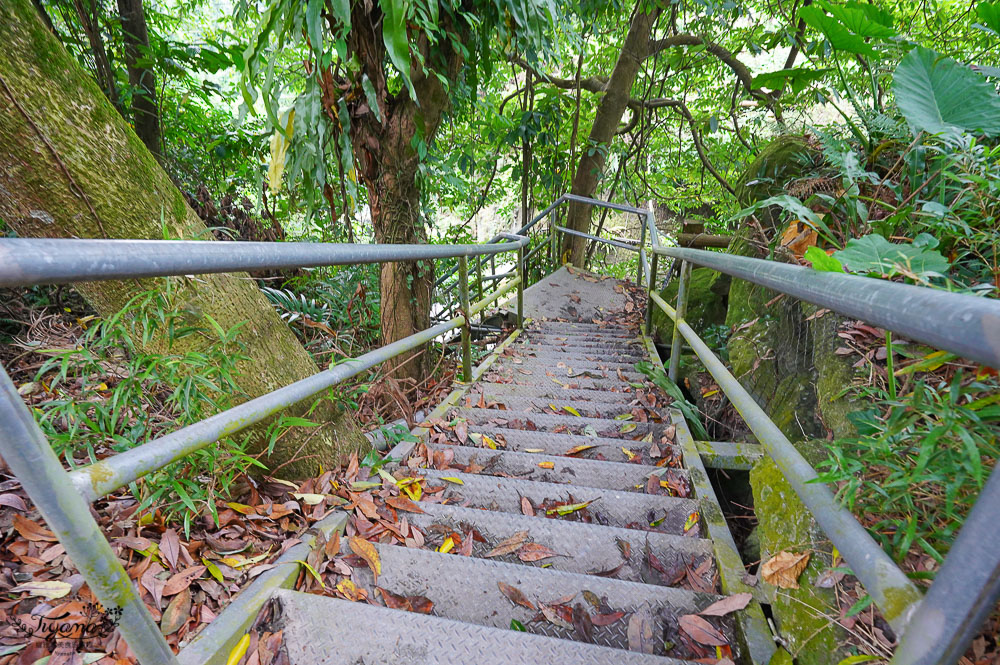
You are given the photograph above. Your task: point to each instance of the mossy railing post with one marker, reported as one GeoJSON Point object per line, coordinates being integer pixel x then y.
{"type": "Point", "coordinates": [463, 297]}
{"type": "Point", "coordinates": [553, 245]}
{"type": "Point", "coordinates": [479, 287]}
{"type": "Point", "coordinates": [682, 296]}
{"type": "Point", "coordinates": [650, 287]}
{"type": "Point", "coordinates": [642, 252]}
{"type": "Point", "coordinates": [35, 464]}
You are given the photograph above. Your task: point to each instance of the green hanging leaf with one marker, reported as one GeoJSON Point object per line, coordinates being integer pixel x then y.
{"type": "Point", "coordinates": [821, 261]}
{"type": "Point", "coordinates": [875, 254]}
{"type": "Point", "coordinates": [689, 410]}
{"type": "Point", "coordinates": [858, 20]}
{"type": "Point", "coordinates": [937, 94]}
{"type": "Point", "coordinates": [797, 77]}
{"type": "Point", "coordinates": [366, 85]}
{"type": "Point", "coordinates": [396, 43]}
{"type": "Point", "coordinates": [989, 14]}
{"type": "Point", "coordinates": [314, 25]}
{"type": "Point", "coordinates": [839, 36]}
{"type": "Point", "coordinates": [342, 12]}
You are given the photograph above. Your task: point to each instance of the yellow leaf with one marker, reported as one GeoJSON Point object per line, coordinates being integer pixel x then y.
{"type": "Point", "coordinates": [214, 570]}
{"type": "Point", "coordinates": [240, 650]}
{"type": "Point", "coordinates": [628, 453]}
{"type": "Point", "coordinates": [691, 522]}
{"type": "Point", "coordinates": [570, 409]}
{"type": "Point", "coordinates": [366, 551]}
{"type": "Point", "coordinates": [348, 589]}
{"type": "Point", "coordinates": [534, 450]}
{"type": "Point", "coordinates": [447, 545]}
{"type": "Point", "coordinates": [101, 386]}
{"type": "Point", "coordinates": [387, 476]}
{"type": "Point", "coordinates": [489, 442]}
{"type": "Point", "coordinates": [413, 490]}
{"type": "Point", "coordinates": [579, 449]}
{"type": "Point", "coordinates": [623, 416]}
{"type": "Point", "coordinates": [569, 508]}
{"type": "Point", "coordinates": [242, 508]}
{"type": "Point", "coordinates": [783, 569]}
{"type": "Point", "coordinates": [546, 465]}
{"type": "Point", "coordinates": [279, 149]}
{"type": "Point", "coordinates": [710, 393]}
{"type": "Point", "coordinates": [450, 479]}
{"type": "Point", "coordinates": [51, 589]}
{"type": "Point", "coordinates": [561, 384]}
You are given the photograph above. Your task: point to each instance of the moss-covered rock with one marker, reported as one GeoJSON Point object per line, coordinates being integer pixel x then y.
{"type": "Point", "coordinates": [708, 299]}
{"type": "Point", "coordinates": [800, 614]}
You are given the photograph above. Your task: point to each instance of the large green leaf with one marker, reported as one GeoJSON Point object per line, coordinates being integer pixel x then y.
{"type": "Point", "coordinates": [839, 36]}
{"type": "Point", "coordinates": [859, 21]}
{"type": "Point", "coordinates": [394, 36]}
{"type": "Point", "coordinates": [937, 94]}
{"type": "Point", "coordinates": [874, 254]}
{"type": "Point", "coordinates": [989, 14]}
{"type": "Point", "coordinates": [797, 77]}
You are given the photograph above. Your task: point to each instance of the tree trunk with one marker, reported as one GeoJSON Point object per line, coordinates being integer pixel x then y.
{"type": "Point", "coordinates": [609, 114]}
{"type": "Point", "coordinates": [102, 64]}
{"type": "Point", "coordinates": [71, 166]}
{"type": "Point", "coordinates": [145, 111]}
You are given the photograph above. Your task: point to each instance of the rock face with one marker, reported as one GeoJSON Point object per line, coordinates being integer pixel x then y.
{"type": "Point", "coordinates": [782, 351]}
{"type": "Point", "coordinates": [708, 300]}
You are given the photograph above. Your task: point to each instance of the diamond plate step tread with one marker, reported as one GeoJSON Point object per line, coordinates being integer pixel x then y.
{"type": "Point", "coordinates": [565, 470]}
{"type": "Point", "coordinates": [596, 410]}
{"type": "Point", "coordinates": [607, 428]}
{"type": "Point", "coordinates": [580, 325]}
{"type": "Point", "coordinates": [557, 444]}
{"type": "Point", "coordinates": [608, 507]}
{"type": "Point", "coordinates": [596, 548]}
{"type": "Point", "coordinates": [597, 355]}
{"type": "Point", "coordinates": [498, 391]}
{"type": "Point", "coordinates": [467, 589]}
{"type": "Point", "coordinates": [596, 333]}
{"type": "Point", "coordinates": [582, 341]}
{"type": "Point", "coordinates": [578, 364]}
{"type": "Point", "coordinates": [359, 634]}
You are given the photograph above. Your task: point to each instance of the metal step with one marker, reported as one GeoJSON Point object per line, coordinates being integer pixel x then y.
{"type": "Point", "coordinates": [595, 354]}
{"type": "Point", "coordinates": [558, 444]}
{"type": "Point", "coordinates": [359, 633]}
{"type": "Point", "coordinates": [499, 391]}
{"type": "Point", "coordinates": [468, 589]}
{"type": "Point", "coordinates": [574, 365]}
{"type": "Point", "coordinates": [626, 510]}
{"type": "Point", "coordinates": [567, 470]}
{"type": "Point", "coordinates": [599, 410]}
{"type": "Point", "coordinates": [597, 550]}
{"type": "Point", "coordinates": [582, 327]}
{"type": "Point", "coordinates": [526, 420]}
{"type": "Point", "coordinates": [583, 341]}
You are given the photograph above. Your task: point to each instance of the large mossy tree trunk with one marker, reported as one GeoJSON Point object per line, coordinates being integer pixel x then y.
{"type": "Point", "coordinates": [71, 167]}
{"type": "Point", "coordinates": [617, 94]}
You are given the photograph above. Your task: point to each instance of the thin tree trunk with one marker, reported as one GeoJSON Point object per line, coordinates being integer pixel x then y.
{"type": "Point", "coordinates": [145, 110]}
{"type": "Point", "coordinates": [609, 114]}
{"type": "Point", "coordinates": [71, 166]}
{"type": "Point", "coordinates": [102, 64]}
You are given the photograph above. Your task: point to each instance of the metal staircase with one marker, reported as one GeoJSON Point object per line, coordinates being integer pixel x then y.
{"type": "Point", "coordinates": [558, 420]}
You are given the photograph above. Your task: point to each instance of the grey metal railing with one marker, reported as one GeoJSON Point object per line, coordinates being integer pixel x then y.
{"type": "Point", "coordinates": [62, 497]}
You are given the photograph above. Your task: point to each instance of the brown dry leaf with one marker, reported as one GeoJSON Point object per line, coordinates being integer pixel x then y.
{"type": "Point", "coordinates": [526, 507]}
{"type": "Point", "coordinates": [558, 615]}
{"type": "Point", "coordinates": [515, 595]}
{"type": "Point", "coordinates": [799, 237]}
{"type": "Point", "coordinates": [417, 604]}
{"type": "Point", "coordinates": [366, 551]}
{"type": "Point", "coordinates": [332, 546]}
{"type": "Point", "coordinates": [784, 568]}
{"type": "Point", "coordinates": [351, 592]}
{"type": "Point", "coordinates": [701, 631]}
{"type": "Point", "coordinates": [534, 552]}
{"type": "Point", "coordinates": [546, 465]}
{"type": "Point", "coordinates": [13, 501]}
{"type": "Point", "coordinates": [721, 608]}
{"type": "Point", "coordinates": [176, 614]}
{"type": "Point", "coordinates": [402, 503]}
{"type": "Point", "coordinates": [640, 632]}
{"type": "Point", "coordinates": [182, 580]}
{"type": "Point", "coordinates": [508, 545]}
{"type": "Point", "coordinates": [32, 530]}
{"type": "Point", "coordinates": [170, 548]}
{"type": "Point", "coordinates": [606, 619]}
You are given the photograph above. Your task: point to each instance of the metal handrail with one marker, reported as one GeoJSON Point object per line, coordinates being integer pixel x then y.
{"type": "Point", "coordinates": [62, 497]}
{"type": "Point", "coordinates": [935, 629]}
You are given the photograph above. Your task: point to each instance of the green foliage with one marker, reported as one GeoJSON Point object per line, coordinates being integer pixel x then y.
{"type": "Point", "coordinates": [918, 462]}
{"type": "Point", "coordinates": [822, 261]}
{"type": "Point", "coordinates": [874, 254]}
{"type": "Point", "coordinates": [690, 411]}
{"type": "Point", "coordinates": [937, 94]}
{"type": "Point", "coordinates": [108, 394]}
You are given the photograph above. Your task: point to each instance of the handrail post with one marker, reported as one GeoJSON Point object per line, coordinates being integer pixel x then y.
{"type": "Point", "coordinates": [463, 295]}
{"type": "Point", "coordinates": [649, 299]}
{"type": "Point", "coordinates": [642, 250]}
{"type": "Point", "coordinates": [681, 309]}
{"type": "Point", "coordinates": [24, 448]}
{"type": "Point", "coordinates": [479, 287]}
{"type": "Point", "coordinates": [553, 247]}
{"type": "Point", "coordinates": [520, 287]}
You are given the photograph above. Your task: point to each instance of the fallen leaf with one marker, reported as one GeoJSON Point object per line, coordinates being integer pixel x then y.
{"type": "Point", "coordinates": [417, 604]}
{"type": "Point", "coordinates": [447, 546]}
{"type": "Point", "coordinates": [640, 632]}
{"type": "Point", "coordinates": [170, 546]}
{"type": "Point", "coordinates": [182, 580]}
{"type": "Point", "coordinates": [721, 608]}
{"type": "Point", "coordinates": [308, 498]}
{"type": "Point", "coordinates": [515, 595]}
{"type": "Point", "coordinates": [606, 619]}
{"type": "Point", "coordinates": [366, 551]}
{"type": "Point", "coordinates": [534, 552]}
{"type": "Point", "coordinates": [457, 481]}
{"type": "Point", "coordinates": [546, 465]}
{"type": "Point", "coordinates": [402, 503]}
{"type": "Point", "coordinates": [32, 530]}
{"type": "Point", "coordinates": [701, 631]}
{"type": "Point", "coordinates": [13, 501]}
{"type": "Point", "coordinates": [784, 568]}
{"type": "Point", "coordinates": [50, 589]}
{"type": "Point", "coordinates": [348, 589]}
{"type": "Point", "coordinates": [568, 508]}
{"type": "Point", "coordinates": [569, 409]}
{"type": "Point", "coordinates": [582, 624]}
{"type": "Point", "coordinates": [526, 507]}
{"type": "Point", "coordinates": [176, 614]}
{"type": "Point", "coordinates": [508, 545]}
